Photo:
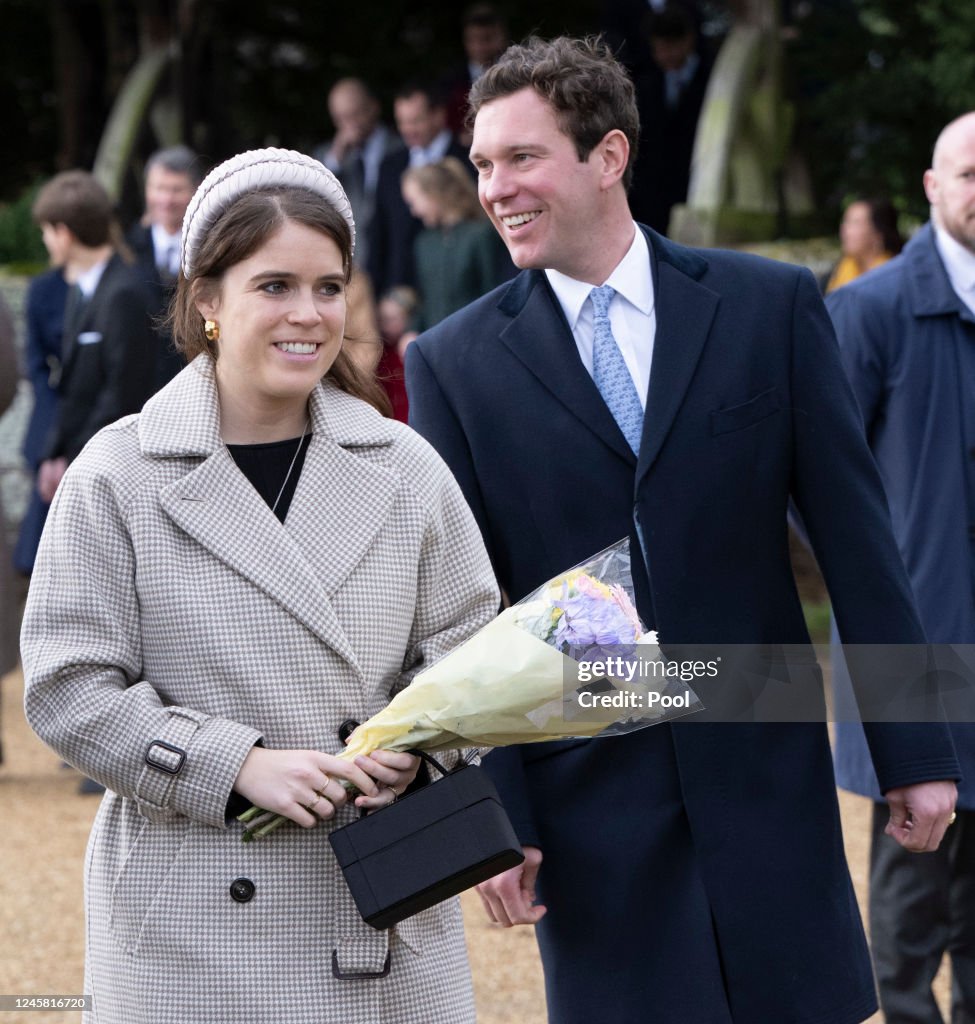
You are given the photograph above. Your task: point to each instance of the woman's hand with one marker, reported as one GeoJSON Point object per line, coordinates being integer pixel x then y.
{"type": "Point", "coordinates": [393, 771]}
{"type": "Point", "coordinates": [304, 785]}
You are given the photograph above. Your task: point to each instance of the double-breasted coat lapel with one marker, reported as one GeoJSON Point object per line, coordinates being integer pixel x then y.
{"type": "Point", "coordinates": [301, 563]}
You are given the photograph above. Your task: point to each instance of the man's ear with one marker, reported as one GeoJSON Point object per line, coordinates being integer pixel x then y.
{"type": "Point", "coordinates": [613, 152]}
{"type": "Point", "coordinates": [931, 186]}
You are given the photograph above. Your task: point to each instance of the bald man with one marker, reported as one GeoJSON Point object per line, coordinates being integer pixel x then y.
{"type": "Point", "coordinates": [907, 335]}
{"type": "Point", "coordinates": [356, 151]}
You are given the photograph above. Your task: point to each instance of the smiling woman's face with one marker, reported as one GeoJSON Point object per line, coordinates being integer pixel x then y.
{"type": "Point", "coordinates": [281, 314]}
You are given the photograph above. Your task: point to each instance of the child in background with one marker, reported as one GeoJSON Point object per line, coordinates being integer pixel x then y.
{"type": "Point", "coordinates": [459, 256]}
{"type": "Point", "coordinates": [396, 312]}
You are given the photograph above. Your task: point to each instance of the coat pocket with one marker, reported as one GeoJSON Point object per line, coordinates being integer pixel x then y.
{"type": "Point", "coordinates": [737, 417]}
{"type": "Point", "coordinates": [151, 859]}
{"type": "Point", "coordinates": [427, 928]}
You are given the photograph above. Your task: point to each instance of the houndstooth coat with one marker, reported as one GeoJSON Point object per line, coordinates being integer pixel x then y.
{"type": "Point", "coordinates": [169, 605]}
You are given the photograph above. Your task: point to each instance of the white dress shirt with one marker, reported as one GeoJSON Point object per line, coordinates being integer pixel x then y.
{"type": "Point", "coordinates": [420, 156]}
{"type": "Point", "coordinates": [632, 314]}
{"type": "Point", "coordinates": [166, 249]}
{"type": "Point", "coordinates": [959, 263]}
{"type": "Point", "coordinates": [88, 281]}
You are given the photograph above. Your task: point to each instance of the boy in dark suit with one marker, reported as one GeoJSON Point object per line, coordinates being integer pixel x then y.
{"type": "Point", "coordinates": [109, 353]}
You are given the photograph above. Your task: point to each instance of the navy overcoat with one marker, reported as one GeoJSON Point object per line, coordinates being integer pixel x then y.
{"type": "Point", "coordinates": [693, 873]}
{"type": "Point", "coordinates": [907, 342]}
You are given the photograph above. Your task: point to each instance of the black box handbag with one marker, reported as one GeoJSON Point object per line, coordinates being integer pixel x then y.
{"type": "Point", "coordinates": [432, 844]}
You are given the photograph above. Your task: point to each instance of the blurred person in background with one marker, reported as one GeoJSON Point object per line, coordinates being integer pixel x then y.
{"type": "Point", "coordinates": [458, 254]}
{"type": "Point", "coordinates": [869, 237]}
{"type": "Point", "coordinates": [172, 176]}
{"type": "Point", "coordinates": [397, 313]}
{"type": "Point", "coordinates": [356, 151]}
{"type": "Point", "coordinates": [670, 95]}
{"type": "Point", "coordinates": [108, 359]}
{"type": "Point", "coordinates": [44, 328]}
{"type": "Point", "coordinates": [421, 120]}
{"type": "Point", "coordinates": [484, 35]}
{"type": "Point", "coordinates": [9, 594]}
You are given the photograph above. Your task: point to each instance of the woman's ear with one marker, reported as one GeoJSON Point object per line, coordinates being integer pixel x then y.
{"type": "Point", "coordinates": [206, 298]}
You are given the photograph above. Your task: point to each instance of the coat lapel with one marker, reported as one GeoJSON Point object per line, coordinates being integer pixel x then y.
{"type": "Point", "coordinates": [685, 312]}
{"type": "Point", "coordinates": [540, 338]}
{"type": "Point", "coordinates": [929, 287]}
{"type": "Point", "coordinates": [339, 506]}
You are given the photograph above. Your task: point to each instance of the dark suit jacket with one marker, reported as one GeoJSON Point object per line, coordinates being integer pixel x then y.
{"type": "Point", "coordinates": [394, 228]}
{"type": "Point", "coordinates": [44, 322]}
{"type": "Point", "coordinates": [908, 345]}
{"type": "Point", "coordinates": [658, 842]}
{"type": "Point", "coordinates": [109, 362]}
{"type": "Point", "coordinates": [662, 171]}
{"type": "Point", "coordinates": [168, 361]}
{"type": "Point", "coordinates": [361, 199]}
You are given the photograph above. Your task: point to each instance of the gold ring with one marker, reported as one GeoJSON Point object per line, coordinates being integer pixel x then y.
{"type": "Point", "coordinates": [311, 807]}
{"type": "Point", "coordinates": [951, 820]}
{"type": "Point", "coordinates": [395, 794]}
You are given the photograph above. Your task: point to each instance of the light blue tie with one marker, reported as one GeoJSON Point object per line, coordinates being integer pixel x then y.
{"type": "Point", "coordinates": [610, 372]}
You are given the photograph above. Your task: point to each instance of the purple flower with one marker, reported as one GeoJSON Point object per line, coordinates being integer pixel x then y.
{"type": "Point", "coordinates": [589, 620]}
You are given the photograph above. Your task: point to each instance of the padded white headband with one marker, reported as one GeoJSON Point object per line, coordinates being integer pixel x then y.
{"type": "Point", "coordinates": [250, 172]}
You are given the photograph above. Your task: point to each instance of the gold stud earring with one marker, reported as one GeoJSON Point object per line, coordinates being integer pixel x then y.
{"type": "Point", "coordinates": [211, 329]}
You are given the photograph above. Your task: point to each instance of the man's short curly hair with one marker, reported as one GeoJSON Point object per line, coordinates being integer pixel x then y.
{"type": "Point", "coordinates": [586, 86]}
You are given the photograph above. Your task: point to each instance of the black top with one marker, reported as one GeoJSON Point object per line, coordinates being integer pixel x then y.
{"type": "Point", "coordinates": [266, 467]}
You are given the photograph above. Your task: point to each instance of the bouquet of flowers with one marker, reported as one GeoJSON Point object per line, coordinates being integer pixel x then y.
{"type": "Point", "coordinates": [570, 660]}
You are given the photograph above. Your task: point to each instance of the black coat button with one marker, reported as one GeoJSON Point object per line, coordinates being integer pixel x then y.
{"type": "Point", "coordinates": [242, 890]}
{"type": "Point", "coordinates": [347, 728]}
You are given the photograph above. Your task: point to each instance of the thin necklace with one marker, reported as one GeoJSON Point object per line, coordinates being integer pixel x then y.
{"type": "Point", "coordinates": [294, 459]}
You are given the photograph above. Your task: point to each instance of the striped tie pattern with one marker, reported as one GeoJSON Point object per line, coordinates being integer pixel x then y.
{"type": "Point", "coordinates": [610, 372]}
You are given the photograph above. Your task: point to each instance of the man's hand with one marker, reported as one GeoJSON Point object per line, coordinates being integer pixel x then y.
{"type": "Point", "coordinates": [509, 897]}
{"type": "Point", "coordinates": [920, 814]}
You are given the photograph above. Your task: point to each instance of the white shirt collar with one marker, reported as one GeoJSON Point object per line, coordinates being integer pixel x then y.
{"type": "Point", "coordinates": [88, 281]}
{"type": "Point", "coordinates": [959, 263]}
{"type": "Point", "coordinates": [437, 150]}
{"type": "Point", "coordinates": [166, 247]}
{"type": "Point", "coordinates": [631, 279]}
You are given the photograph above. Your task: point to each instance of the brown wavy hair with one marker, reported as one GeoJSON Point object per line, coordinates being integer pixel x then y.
{"type": "Point", "coordinates": [586, 86]}
{"type": "Point", "coordinates": [240, 231]}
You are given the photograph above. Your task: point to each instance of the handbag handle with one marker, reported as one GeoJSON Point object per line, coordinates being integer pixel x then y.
{"type": "Point", "coordinates": [432, 761]}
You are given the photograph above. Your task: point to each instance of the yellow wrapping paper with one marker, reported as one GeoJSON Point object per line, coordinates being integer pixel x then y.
{"type": "Point", "coordinates": [501, 686]}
